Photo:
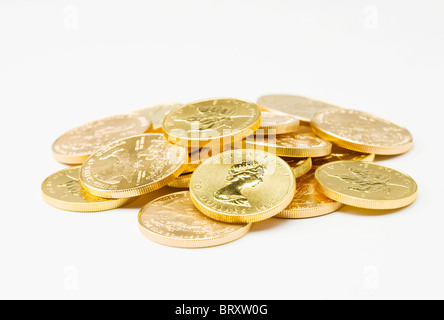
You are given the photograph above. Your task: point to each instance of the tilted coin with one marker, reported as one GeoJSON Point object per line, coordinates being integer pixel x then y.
{"type": "Point", "coordinates": [133, 166]}
{"type": "Point", "coordinates": [299, 166]}
{"type": "Point", "coordinates": [216, 120]}
{"type": "Point", "coordinates": [63, 190]}
{"type": "Point", "coordinates": [182, 181]}
{"type": "Point", "coordinates": [365, 185]}
{"type": "Point", "coordinates": [300, 145]}
{"type": "Point", "coordinates": [157, 113]}
{"type": "Point", "coordinates": [76, 145]}
{"type": "Point", "coordinates": [242, 186]}
{"type": "Point", "coordinates": [301, 107]}
{"type": "Point", "coordinates": [362, 132]}
{"type": "Point", "coordinates": [338, 153]}
{"type": "Point", "coordinates": [173, 220]}
{"type": "Point", "coordinates": [308, 202]}
{"type": "Point", "coordinates": [275, 123]}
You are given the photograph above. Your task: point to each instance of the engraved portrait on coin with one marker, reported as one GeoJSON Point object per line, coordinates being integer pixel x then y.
{"type": "Point", "coordinates": [240, 176]}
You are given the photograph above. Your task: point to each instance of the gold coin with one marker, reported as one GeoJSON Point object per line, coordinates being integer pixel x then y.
{"type": "Point", "coordinates": [362, 132]}
{"type": "Point", "coordinates": [182, 181]}
{"type": "Point", "coordinates": [301, 107]}
{"type": "Point", "coordinates": [275, 123]}
{"type": "Point", "coordinates": [157, 113]}
{"type": "Point", "coordinates": [133, 166]}
{"type": "Point", "coordinates": [365, 185]}
{"type": "Point", "coordinates": [76, 145]}
{"type": "Point", "coordinates": [299, 145]}
{"type": "Point", "coordinates": [216, 120]}
{"type": "Point", "coordinates": [300, 166]}
{"type": "Point", "coordinates": [63, 190]}
{"type": "Point", "coordinates": [308, 202]}
{"type": "Point", "coordinates": [338, 154]}
{"type": "Point", "coordinates": [242, 186]}
{"type": "Point", "coordinates": [173, 220]}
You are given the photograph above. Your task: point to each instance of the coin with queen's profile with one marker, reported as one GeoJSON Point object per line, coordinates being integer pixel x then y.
{"type": "Point", "coordinates": [242, 186]}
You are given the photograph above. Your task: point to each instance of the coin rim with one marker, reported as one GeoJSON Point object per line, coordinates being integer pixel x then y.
{"type": "Point", "coordinates": [136, 191]}
{"type": "Point", "coordinates": [280, 128]}
{"type": "Point", "coordinates": [361, 147]}
{"type": "Point", "coordinates": [365, 203]}
{"type": "Point", "coordinates": [189, 243]}
{"type": "Point", "coordinates": [251, 218]}
{"type": "Point", "coordinates": [191, 142]}
{"type": "Point", "coordinates": [108, 204]}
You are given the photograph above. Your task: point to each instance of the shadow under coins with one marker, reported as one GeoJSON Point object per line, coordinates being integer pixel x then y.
{"type": "Point", "coordinates": [139, 202]}
{"type": "Point", "coordinates": [368, 212]}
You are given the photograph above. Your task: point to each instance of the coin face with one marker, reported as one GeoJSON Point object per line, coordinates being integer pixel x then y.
{"type": "Point", "coordinates": [275, 123]}
{"type": "Point", "coordinates": [63, 190]}
{"type": "Point", "coordinates": [133, 166]}
{"type": "Point", "coordinates": [365, 185]}
{"type": "Point", "coordinates": [242, 186]}
{"type": "Point", "coordinates": [76, 145]}
{"type": "Point", "coordinates": [362, 132]}
{"type": "Point", "coordinates": [223, 120]}
{"type": "Point", "coordinates": [300, 166]}
{"type": "Point", "coordinates": [173, 220]}
{"type": "Point", "coordinates": [157, 113]}
{"type": "Point", "coordinates": [338, 154]}
{"type": "Point", "coordinates": [308, 202]}
{"type": "Point", "coordinates": [300, 145]}
{"type": "Point", "coordinates": [301, 107]}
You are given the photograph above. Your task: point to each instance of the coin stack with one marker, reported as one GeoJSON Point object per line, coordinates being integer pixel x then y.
{"type": "Point", "coordinates": [234, 163]}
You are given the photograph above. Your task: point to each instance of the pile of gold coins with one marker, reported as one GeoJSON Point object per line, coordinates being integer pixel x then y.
{"type": "Point", "coordinates": [235, 163]}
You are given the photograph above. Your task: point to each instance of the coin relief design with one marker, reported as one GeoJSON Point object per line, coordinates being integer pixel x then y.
{"type": "Point", "coordinates": [361, 131]}
{"type": "Point", "coordinates": [301, 107]}
{"type": "Point", "coordinates": [201, 122]}
{"type": "Point", "coordinates": [63, 190]}
{"type": "Point", "coordinates": [133, 166]}
{"type": "Point", "coordinates": [308, 202]}
{"type": "Point", "coordinates": [174, 220]}
{"type": "Point", "coordinates": [76, 145]}
{"type": "Point", "coordinates": [366, 185]}
{"type": "Point", "coordinates": [241, 186]}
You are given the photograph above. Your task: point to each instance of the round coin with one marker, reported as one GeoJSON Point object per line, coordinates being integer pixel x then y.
{"type": "Point", "coordinates": [217, 120]}
{"type": "Point", "coordinates": [242, 186]}
{"type": "Point", "coordinates": [63, 190]}
{"type": "Point", "coordinates": [301, 107]}
{"type": "Point", "coordinates": [76, 145]}
{"type": "Point", "coordinates": [275, 123]}
{"type": "Point", "coordinates": [299, 145]}
{"type": "Point", "coordinates": [365, 185]}
{"type": "Point", "coordinates": [133, 166]}
{"type": "Point", "coordinates": [338, 154]}
{"type": "Point", "coordinates": [308, 202]}
{"type": "Point", "coordinates": [173, 220]}
{"type": "Point", "coordinates": [300, 166]}
{"type": "Point", "coordinates": [362, 132]}
{"type": "Point", "coordinates": [157, 113]}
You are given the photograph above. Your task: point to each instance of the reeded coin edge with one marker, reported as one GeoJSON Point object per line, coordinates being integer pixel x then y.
{"type": "Point", "coordinates": [303, 213]}
{"type": "Point", "coordinates": [292, 152]}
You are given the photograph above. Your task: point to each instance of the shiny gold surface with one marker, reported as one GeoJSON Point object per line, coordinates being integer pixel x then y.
{"type": "Point", "coordinates": [365, 185]}
{"type": "Point", "coordinates": [182, 181]}
{"type": "Point", "coordinates": [215, 120]}
{"type": "Point", "coordinates": [338, 154]}
{"type": "Point", "coordinates": [133, 166]}
{"type": "Point", "coordinates": [63, 190]}
{"type": "Point", "coordinates": [301, 107]}
{"type": "Point", "coordinates": [308, 202]}
{"type": "Point", "coordinates": [76, 145]}
{"type": "Point", "coordinates": [299, 145]}
{"type": "Point", "coordinates": [242, 186]}
{"type": "Point", "coordinates": [275, 123]}
{"type": "Point", "coordinates": [362, 132]}
{"type": "Point", "coordinates": [300, 166]}
{"type": "Point", "coordinates": [157, 113]}
{"type": "Point", "coordinates": [173, 220]}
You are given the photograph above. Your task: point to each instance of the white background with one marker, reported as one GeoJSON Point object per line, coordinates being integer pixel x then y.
{"type": "Point", "coordinates": [63, 63]}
